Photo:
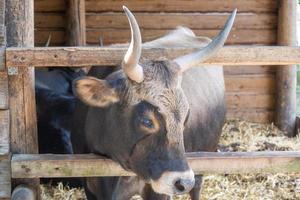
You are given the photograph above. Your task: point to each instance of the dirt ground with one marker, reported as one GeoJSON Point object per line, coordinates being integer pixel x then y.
{"type": "Point", "coordinates": [237, 136]}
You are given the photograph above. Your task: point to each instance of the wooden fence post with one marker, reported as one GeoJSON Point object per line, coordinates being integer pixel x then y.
{"type": "Point", "coordinates": [76, 26]}
{"type": "Point", "coordinates": [23, 130]}
{"type": "Point", "coordinates": [5, 159]}
{"type": "Point", "coordinates": [76, 35]}
{"type": "Point", "coordinates": [286, 80]}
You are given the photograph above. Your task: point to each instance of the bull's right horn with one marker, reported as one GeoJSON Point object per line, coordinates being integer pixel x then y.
{"type": "Point", "coordinates": [130, 62]}
{"type": "Point", "coordinates": [187, 61]}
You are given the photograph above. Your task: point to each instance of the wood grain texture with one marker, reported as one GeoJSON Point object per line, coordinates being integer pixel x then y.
{"type": "Point", "coordinates": [111, 56]}
{"type": "Point", "coordinates": [75, 31]}
{"type": "Point", "coordinates": [2, 13]}
{"type": "Point", "coordinates": [48, 165]}
{"type": "Point", "coordinates": [49, 6]}
{"type": "Point", "coordinates": [2, 37]}
{"type": "Point", "coordinates": [58, 37]}
{"type": "Point", "coordinates": [167, 6]}
{"type": "Point", "coordinates": [286, 76]}
{"type": "Point", "coordinates": [241, 101]}
{"type": "Point", "coordinates": [249, 70]}
{"type": "Point", "coordinates": [5, 169]}
{"type": "Point", "coordinates": [23, 130]}
{"type": "Point", "coordinates": [5, 182]}
{"type": "Point", "coordinates": [4, 133]}
{"type": "Point", "coordinates": [115, 36]}
{"type": "Point", "coordinates": [191, 20]}
{"type": "Point", "coordinates": [50, 20]}
{"type": "Point", "coordinates": [252, 115]}
{"type": "Point", "coordinates": [21, 89]}
{"type": "Point", "coordinates": [3, 89]}
{"type": "Point", "coordinates": [162, 20]}
{"type": "Point", "coordinates": [184, 6]}
{"type": "Point", "coordinates": [254, 83]}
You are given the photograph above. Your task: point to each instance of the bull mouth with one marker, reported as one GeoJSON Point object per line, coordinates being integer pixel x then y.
{"type": "Point", "coordinates": [174, 183]}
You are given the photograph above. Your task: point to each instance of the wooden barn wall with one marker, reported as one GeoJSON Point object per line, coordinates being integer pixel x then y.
{"type": "Point", "coordinates": [250, 90]}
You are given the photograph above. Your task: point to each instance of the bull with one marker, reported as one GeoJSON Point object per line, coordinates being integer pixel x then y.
{"type": "Point", "coordinates": [145, 115]}
{"type": "Point", "coordinates": [55, 105]}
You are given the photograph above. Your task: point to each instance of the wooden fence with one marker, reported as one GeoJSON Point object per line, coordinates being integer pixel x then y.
{"type": "Point", "coordinates": [19, 160]}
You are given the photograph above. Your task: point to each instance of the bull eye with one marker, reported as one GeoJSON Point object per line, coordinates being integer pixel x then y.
{"type": "Point", "coordinates": [147, 122]}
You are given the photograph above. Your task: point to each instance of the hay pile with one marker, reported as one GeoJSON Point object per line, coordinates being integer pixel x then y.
{"type": "Point", "coordinates": [237, 136]}
{"type": "Point", "coordinates": [61, 192]}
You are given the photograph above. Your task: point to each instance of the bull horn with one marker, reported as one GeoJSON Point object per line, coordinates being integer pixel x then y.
{"type": "Point", "coordinates": [130, 62]}
{"type": "Point", "coordinates": [48, 41]}
{"type": "Point", "coordinates": [187, 61]}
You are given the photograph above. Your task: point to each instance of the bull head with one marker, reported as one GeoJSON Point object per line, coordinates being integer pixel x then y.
{"type": "Point", "coordinates": [148, 110]}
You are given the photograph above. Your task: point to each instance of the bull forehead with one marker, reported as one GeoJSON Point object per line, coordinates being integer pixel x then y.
{"type": "Point", "coordinates": [171, 103]}
{"type": "Point", "coordinates": [173, 106]}
{"type": "Point", "coordinates": [162, 88]}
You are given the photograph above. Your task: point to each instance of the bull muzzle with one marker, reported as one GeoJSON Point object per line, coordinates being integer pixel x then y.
{"type": "Point", "coordinates": [174, 182]}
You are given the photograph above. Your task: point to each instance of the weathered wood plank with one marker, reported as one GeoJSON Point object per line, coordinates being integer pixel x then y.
{"type": "Point", "coordinates": [2, 35]}
{"type": "Point", "coordinates": [252, 115]}
{"type": "Point", "coordinates": [47, 165]}
{"type": "Point", "coordinates": [23, 130]}
{"type": "Point", "coordinates": [49, 6]}
{"type": "Point", "coordinates": [2, 55]}
{"type": "Point", "coordinates": [2, 13]}
{"type": "Point", "coordinates": [76, 34]}
{"type": "Point", "coordinates": [247, 70]}
{"type": "Point", "coordinates": [191, 20]}
{"type": "Point", "coordinates": [250, 101]}
{"type": "Point", "coordinates": [21, 88]}
{"type": "Point", "coordinates": [2, 23]}
{"type": "Point", "coordinates": [4, 133]}
{"type": "Point", "coordinates": [5, 182]}
{"type": "Point", "coordinates": [58, 37]}
{"type": "Point", "coordinates": [3, 90]}
{"type": "Point", "coordinates": [115, 36]}
{"type": "Point", "coordinates": [184, 6]}
{"type": "Point", "coordinates": [163, 20]}
{"type": "Point", "coordinates": [236, 36]}
{"type": "Point", "coordinates": [255, 83]}
{"type": "Point", "coordinates": [286, 76]}
{"type": "Point", "coordinates": [85, 56]}
{"type": "Point", "coordinates": [167, 6]}
{"type": "Point", "coordinates": [50, 20]}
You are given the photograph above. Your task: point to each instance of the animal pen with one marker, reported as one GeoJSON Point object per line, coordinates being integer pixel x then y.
{"type": "Point", "coordinates": [253, 78]}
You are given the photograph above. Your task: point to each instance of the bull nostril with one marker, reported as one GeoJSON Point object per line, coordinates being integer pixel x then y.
{"type": "Point", "coordinates": [179, 186]}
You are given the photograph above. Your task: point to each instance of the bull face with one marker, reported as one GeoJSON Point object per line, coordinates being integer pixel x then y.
{"type": "Point", "coordinates": [148, 110]}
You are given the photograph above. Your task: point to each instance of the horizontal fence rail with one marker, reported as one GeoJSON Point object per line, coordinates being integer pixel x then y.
{"type": "Point", "coordinates": [89, 165]}
{"type": "Point", "coordinates": [109, 56]}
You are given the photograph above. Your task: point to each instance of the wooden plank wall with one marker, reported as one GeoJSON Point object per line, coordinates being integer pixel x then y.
{"type": "Point", "coordinates": [250, 90]}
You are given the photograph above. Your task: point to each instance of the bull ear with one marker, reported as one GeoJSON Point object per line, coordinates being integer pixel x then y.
{"type": "Point", "coordinates": [95, 92]}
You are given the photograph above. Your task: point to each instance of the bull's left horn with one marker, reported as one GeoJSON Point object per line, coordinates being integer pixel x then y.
{"type": "Point", "coordinates": [187, 61]}
{"type": "Point", "coordinates": [130, 62]}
